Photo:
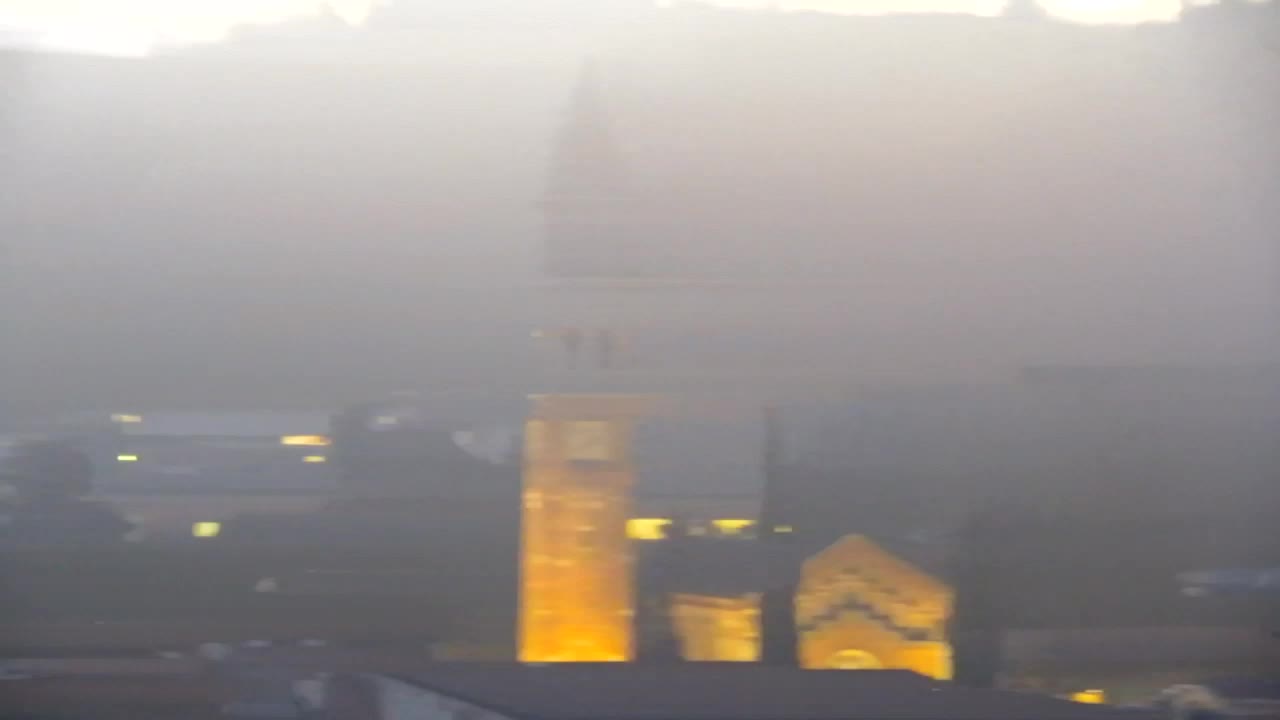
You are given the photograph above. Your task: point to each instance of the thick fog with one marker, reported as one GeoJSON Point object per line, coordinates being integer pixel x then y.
{"type": "Point", "coordinates": [314, 213]}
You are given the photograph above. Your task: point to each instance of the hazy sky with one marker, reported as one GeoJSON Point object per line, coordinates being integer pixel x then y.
{"type": "Point", "coordinates": [130, 27]}
{"type": "Point", "coordinates": [1090, 11]}
{"type": "Point", "coordinates": [1102, 198]}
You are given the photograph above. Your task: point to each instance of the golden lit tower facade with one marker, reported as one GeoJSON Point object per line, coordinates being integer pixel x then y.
{"type": "Point", "coordinates": [576, 596]}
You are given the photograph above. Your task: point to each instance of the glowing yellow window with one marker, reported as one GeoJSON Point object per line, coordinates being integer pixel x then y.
{"type": "Point", "coordinates": [306, 440]}
{"type": "Point", "coordinates": [647, 528]}
{"type": "Point", "coordinates": [206, 529]}
{"type": "Point", "coordinates": [732, 526]}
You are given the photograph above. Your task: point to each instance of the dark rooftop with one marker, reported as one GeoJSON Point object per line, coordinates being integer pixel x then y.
{"type": "Point", "coordinates": [734, 691]}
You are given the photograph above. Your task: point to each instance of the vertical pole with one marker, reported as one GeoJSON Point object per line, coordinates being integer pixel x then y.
{"type": "Point", "coordinates": [976, 620]}
{"type": "Point", "coordinates": [12, 77]}
{"type": "Point", "coordinates": [778, 638]}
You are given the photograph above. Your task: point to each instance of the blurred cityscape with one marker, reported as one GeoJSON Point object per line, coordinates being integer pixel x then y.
{"type": "Point", "coordinates": [934, 343]}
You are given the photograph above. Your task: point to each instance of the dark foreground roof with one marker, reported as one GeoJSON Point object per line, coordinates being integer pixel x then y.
{"type": "Point", "coordinates": [735, 691]}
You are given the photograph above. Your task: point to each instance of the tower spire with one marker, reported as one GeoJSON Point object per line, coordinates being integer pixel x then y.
{"type": "Point", "coordinates": [585, 161]}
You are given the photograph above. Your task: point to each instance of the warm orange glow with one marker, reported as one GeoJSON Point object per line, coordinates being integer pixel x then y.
{"type": "Point", "coordinates": [1090, 697]}
{"type": "Point", "coordinates": [717, 629]}
{"type": "Point", "coordinates": [306, 440]}
{"type": "Point", "coordinates": [854, 659]}
{"type": "Point", "coordinates": [859, 605]}
{"type": "Point", "coordinates": [576, 600]}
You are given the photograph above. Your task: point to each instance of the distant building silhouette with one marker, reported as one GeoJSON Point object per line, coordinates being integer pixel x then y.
{"type": "Point", "coordinates": [51, 480]}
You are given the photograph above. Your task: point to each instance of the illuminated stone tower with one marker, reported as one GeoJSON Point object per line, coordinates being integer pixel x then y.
{"type": "Point", "coordinates": [576, 596]}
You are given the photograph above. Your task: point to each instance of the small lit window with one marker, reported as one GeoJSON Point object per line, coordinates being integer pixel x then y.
{"type": "Point", "coordinates": [315, 459]}
{"type": "Point", "coordinates": [125, 418]}
{"type": "Point", "coordinates": [306, 440]}
{"type": "Point", "coordinates": [647, 528]}
{"type": "Point", "coordinates": [1090, 697]}
{"type": "Point", "coordinates": [126, 457]}
{"type": "Point", "coordinates": [206, 529]}
{"type": "Point", "coordinates": [732, 526]}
